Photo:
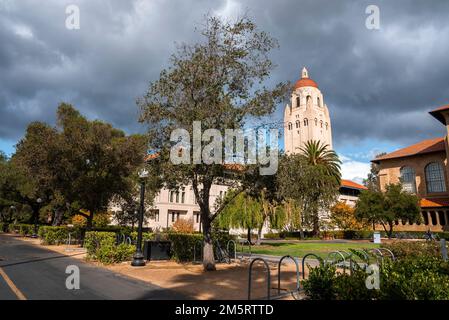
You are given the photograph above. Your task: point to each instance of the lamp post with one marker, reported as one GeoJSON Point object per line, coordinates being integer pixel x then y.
{"type": "Point", "coordinates": [138, 259]}
{"type": "Point", "coordinates": [36, 218]}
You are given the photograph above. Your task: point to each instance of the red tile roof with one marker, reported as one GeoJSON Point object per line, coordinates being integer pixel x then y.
{"type": "Point", "coordinates": [352, 184]}
{"type": "Point", "coordinates": [437, 113]}
{"type": "Point", "coordinates": [305, 82]}
{"type": "Point", "coordinates": [423, 147]}
{"type": "Point", "coordinates": [441, 202]}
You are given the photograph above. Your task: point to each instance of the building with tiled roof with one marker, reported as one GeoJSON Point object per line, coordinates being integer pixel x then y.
{"type": "Point", "coordinates": [423, 169]}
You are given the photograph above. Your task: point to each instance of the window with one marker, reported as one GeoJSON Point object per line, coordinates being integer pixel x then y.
{"type": "Point", "coordinates": [316, 121]}
{"type": "Point", "coordinates": [297, 124]}
{"type": "Point", "coordinates": [183, 197]}
{"type": "Point", "coordinates": [156, 215]}
{"type": "Point", "coordinates": [289, 126]}
{"type": "Point", "coordinates": [321, 123]}
{"type": "Point", "coordinates": [306, 122]}
{"type": "Point", "coordinates": [326, 125]}
{"type": "Point", "coordinates": [171, 196]}
{"type": "Point", "coordinates": [197, 218]}
{"type": "Point", "coordinates": [177, 196]}
{"type": "Point", "coordinates": [297, 102]}
{"type": "Point", "coordinates": [435, 178]}
{"type": "Point", "coordinates": [318, 102]}
{"type": "Point", "coordinates": [408, 179]}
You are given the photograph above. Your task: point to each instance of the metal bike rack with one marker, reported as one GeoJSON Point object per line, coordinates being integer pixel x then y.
{"type": "Point", "coordinates": [337, 263]}
{"type": "Point", "coordinates": [235, 250]}
{"type": "Point", "coordinates": [222, 255]}
{"type": "Point", "coordinates": [378, 253]}
{"type": "Point", "coordinates": [304, 263]}
{"type": "Point", "coordinates": [194, 249]}
{"type": "Point", "coordinates": [250, 276]}
{"type": "Point", "coordinates": [389, 252]}
{"type": "Point", "coordinates": [279, 273]}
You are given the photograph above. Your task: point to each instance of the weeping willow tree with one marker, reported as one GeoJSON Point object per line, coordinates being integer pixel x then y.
{"type": "Point", "coordinates": [250, 212]}
{"type": "Point", "coordinates": [244, 212]}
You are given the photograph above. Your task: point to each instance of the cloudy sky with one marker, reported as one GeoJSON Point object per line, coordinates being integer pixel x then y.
{"type": "Point", "coordinates": [378, 84]}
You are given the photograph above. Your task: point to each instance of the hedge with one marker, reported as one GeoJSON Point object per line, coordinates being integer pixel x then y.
{"type": "Point", "coordinates": [102, 246]}
{"type": "Point", "coordinates": [3, 227]}
{"type": "Point", "coordinates": [184, 243]}
{"type": "Point", "coordinates": [52, 235]}
{"type": "Point", "coordinates": [22, 229]}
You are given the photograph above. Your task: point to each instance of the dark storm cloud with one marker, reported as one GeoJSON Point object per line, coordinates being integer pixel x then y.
{"type": "Point", "coordinates": [377, 84]}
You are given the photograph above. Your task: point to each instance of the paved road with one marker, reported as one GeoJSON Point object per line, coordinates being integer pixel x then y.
{"type": "Point", "coordinates": [30, 272]}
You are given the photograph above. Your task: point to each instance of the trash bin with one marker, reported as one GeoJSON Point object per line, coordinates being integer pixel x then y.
{"type": "Point", "coordinates": [156, 250]}
{"type": "Point", "coordinates": [376, 237]}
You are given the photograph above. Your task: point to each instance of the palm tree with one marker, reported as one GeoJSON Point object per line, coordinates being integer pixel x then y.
{"type": "Point", "coordinates": [325, 166]}
{"type": "Point", "coordinates": [318, 154]}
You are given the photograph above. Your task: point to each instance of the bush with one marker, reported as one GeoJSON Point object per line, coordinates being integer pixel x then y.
{"type": "Point", "coordinates": [182, 245]}
{"type": "Point", "coordinates": [52, 235]}
{"type": "Point", "coordinates": [3, 227]}
{"type": "Point", "coordinates": [22, 229]}
{"type": "Point", "coordinates": [423, 278]}
{"type": "Point", "coordinates": [183, 226]}
{"type": "Point", "coordinates": [320, 285]}
{"type": "Point", "coordinates": [412, 278]}
{"type": "Point", "coordinates": [410, 250]}
{"type": "Point", "coordinates": [102, 246]}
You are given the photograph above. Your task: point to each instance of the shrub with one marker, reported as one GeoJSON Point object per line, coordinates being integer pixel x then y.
{"type": "Point", "coordinates": [3, 227]}
{"type": "Point", "coordinates": [404, 249]}
{"type": "Point", "coordinates": [320, 285]}
{"type": "Point", "coordinates": [102, 246]}
{"type": "Point", "coordinates": [183, 226]}
{"type": "Point", "coordinates": [22, 229]}
{"type": "Point", "coordinates": [412, 278]}
{"type": "Point", "coordinates": [55, 235]}
{"type": "Point", "coordinates": [182, 245]}
{"type": "Point", "coordinates": [423, 278]}
{"type": "Point", "coordinates": [111, 253]}
{"type": "Point", "coordinates": [93, 240]}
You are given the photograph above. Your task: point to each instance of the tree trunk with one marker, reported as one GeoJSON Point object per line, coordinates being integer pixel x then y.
{"type": "Point", "coordinates": [89, 222]}
{"type": "Point", "coordinates": [58, 217]}
{"type": "Point", "coordinates": [208, 250]}
{"type": "Point", "coordinates": [390, 231]}
{"type": "Point", "coordinates": [259, 235]}
{"type": "Point", "coordinates": [316, 225]}
{"type": "Point", "coordinates": [248, 235]}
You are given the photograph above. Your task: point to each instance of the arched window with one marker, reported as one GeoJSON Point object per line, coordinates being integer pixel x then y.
{"type": "Point", "coordinates": [290, 126]}
{"type": "Point", "coordinates": [321, 123]}
{"type": "Point", "coordinates": [408, 179]}
{"type": "Point", "coordinates": [297, 124]}
{"type": "Point", "coordinates": [316, 121]}
{"type": "Point", "coordinates": [309, 101]}
{"type": "Point", "coordinates": [298, 102]}
{"type": "Point", "coordinates": [327, 125]}
{"type": "Point", "coordinates": [318, 102]}
{"type": "Point", "coordinates": [306, 122]}
{"type": "Point", "coordinates": [435, 177]}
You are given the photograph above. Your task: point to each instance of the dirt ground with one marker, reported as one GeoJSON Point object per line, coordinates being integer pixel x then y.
{"type": "Point", "coordinates": [230, 281]}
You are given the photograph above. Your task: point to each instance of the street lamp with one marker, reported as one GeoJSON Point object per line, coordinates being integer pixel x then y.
{"type": "Point", "coordinates": [138, 259]}
{"type": "Point", "coordinates": [36, 218]}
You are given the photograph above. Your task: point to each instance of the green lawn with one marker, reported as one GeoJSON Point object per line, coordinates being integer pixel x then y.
{"type": "Point", "coordinates": [301, 249]}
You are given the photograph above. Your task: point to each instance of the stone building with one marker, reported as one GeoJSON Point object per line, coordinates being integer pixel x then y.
{"type": "Point", "coordinates": [423, 169]}
{"type": "Point", "coordinates": [307, 116]}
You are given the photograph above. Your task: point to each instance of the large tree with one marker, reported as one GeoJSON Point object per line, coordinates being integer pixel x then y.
{"type": "Point", "coordinates": [312, 179]}
{"type": "Point", "coordinates": [217, 81]}
{"type": "Point", "coordinates": [385, 208]}
{"type": "Point", "coordinates": [79, 164]}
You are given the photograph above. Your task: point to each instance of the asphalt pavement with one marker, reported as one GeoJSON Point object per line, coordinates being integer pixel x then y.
{"type": "Point", "coordinates": [33, 273]}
